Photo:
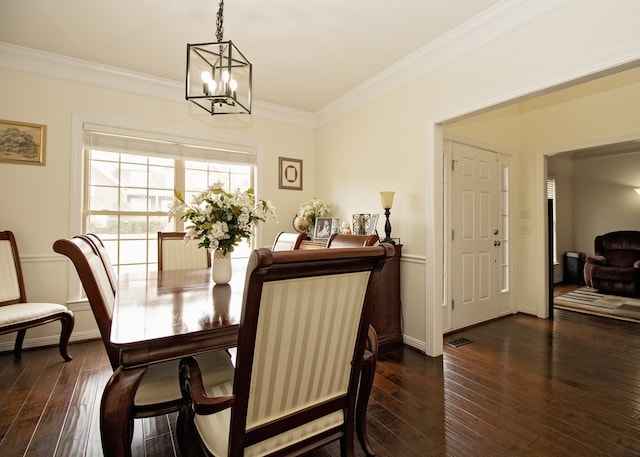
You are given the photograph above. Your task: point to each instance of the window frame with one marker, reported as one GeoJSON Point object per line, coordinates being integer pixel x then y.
{"type": "Point", "coordinates": [78, 171]}
{"type": "Point", "coordinates": [552, 194]}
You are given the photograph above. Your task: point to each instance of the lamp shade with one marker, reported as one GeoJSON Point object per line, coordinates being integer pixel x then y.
{"type": "Point", "coordinates": [386, 198]}
{"type": "Point", "coordinates": [637, 189]}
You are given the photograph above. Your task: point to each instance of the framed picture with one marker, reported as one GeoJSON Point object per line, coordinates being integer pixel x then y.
{"type": "Point", "coordinates": [323, 228]}
{"type": "Point", "coordinates": [361, 223]}
{"type": "Point", "coordinates": [335, 225]}
{"type": "Point", "coordinates": [373, 224]}
{"type": "Point", "coordinates": [290, 176]}
{"type": "Point", "coordinates": [21, 142]}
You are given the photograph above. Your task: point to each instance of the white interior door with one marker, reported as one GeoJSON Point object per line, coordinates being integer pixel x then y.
{"type": "Point", "coordinates": [478, 246]}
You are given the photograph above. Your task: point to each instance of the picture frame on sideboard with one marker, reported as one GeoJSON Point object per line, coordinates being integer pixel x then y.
{"type": "Point", "coordinates": [322, 229]}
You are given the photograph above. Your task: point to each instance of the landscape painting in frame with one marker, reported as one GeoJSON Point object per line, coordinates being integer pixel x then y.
{"type": "Point", "coordinates": [21, 142]}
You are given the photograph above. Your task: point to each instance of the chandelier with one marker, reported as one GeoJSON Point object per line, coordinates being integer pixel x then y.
{"type": "Point", "coordinates": [218, 75]}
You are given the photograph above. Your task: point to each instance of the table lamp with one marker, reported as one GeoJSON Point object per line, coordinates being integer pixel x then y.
{"type": "Point", "coordinates": [387, 201]}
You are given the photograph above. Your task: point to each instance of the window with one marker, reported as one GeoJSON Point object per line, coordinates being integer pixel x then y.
{"type": "Point", "coordinates": [504, 226]}
{"type": "Point", "coordinates": [551, 196]}
{"type": "Point", "coordinates": [130, 182]}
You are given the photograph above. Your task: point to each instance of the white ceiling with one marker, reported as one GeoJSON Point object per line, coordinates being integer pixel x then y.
{"type": "Point", "coordinates": [305, 53]}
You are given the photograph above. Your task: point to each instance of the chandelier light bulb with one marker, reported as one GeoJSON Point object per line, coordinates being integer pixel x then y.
{"type": "Point", "coordinates": [205, 76]}
{"type": "Point", "coordinates": [225, 76]}
{"type": "Point", "coordinates": [233, 84]}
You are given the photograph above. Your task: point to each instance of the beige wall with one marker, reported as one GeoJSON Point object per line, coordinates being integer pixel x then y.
{"type": "Point", "coordinates": [604, 197]}
{"type": "Point", "coordinates": [595, 196]}
{"type": "Point", "coordinates": [35, 200]}
{"type": "Point", "coordinates": [390, 142]}
{"type": "Point", "coordinates": [590, 114]}
{"type": "Point", "coordinates": [535, 56]}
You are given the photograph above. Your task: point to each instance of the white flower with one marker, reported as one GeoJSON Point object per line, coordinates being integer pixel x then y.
{"type": "Point", "coordinates": [220, 219]}
{"type": "Point", "coordinates": [314, 208]}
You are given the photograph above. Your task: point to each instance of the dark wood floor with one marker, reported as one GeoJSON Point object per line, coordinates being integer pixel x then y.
{"type": "Point", "coordinates": [522, 387]}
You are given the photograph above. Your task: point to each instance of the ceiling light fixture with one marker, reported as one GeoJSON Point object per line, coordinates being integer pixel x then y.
{"type": "Point", "coordinates": [218, 75]}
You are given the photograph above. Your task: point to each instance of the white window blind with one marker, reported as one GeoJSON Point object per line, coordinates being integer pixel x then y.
{"type": "Point", "coordinates": [169, 146]}
{"type": "Point", "coordinates": [130, 181]}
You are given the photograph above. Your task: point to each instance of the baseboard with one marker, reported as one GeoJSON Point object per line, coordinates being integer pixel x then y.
{"type": "Point", "coordinates": [49, 341]}
{"type": "Point", "coordinates": [416, 344]}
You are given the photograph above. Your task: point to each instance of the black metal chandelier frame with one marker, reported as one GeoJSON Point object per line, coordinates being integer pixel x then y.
{"type": "Point", "coordinates": [219, 76]}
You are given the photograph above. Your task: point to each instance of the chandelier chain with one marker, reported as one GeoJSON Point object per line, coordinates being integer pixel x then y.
{"type": "Point", "coordinates": [219, 21]}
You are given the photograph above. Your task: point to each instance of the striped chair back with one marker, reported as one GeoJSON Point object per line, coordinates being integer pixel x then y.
{"type": "Point", "coordinates": [300, 350]}
{"type": "Point", "coordinates": [174, 253]}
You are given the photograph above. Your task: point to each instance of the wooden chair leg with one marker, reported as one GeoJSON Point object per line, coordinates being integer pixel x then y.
{"type": "Point", "coordinates": [116, 411]}
{"type": "Point", "coordinates": [366, 384]}
{"type": "Point", "coordinates": [67, 321]}
{"type": "Point", "coordinates": [17, 348]}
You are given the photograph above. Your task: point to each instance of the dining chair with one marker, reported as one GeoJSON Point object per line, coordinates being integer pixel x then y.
{"type": "Point", "coordinates": [174, 253]}
{"type": "Point", "coordinates": [104, 256]}
{"type": "Point", "coordinates": [16, 313]}
{"type": "Point", "coordinates": [288, 241]}
{"type": "Point", "coordinates": [301, 345]}
{"type": "Point", "coordinates": [339, 240]}
{"type": "Point", "coordinates": [159, 391]}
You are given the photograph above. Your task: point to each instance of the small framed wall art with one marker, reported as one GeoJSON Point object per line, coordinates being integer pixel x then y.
{"type": "Point", "coordinates": [21, 142]}
{"type": "Point", "coordinates": [290, 176]}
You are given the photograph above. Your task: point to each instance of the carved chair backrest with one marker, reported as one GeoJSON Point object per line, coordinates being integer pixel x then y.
{"type": "Point", "coordinates": [96, 282]}
{"type": "Point", "coordinates": [174, 253]}
{"type": "Point", "coordinates": [302, 337]}
{"type": "Point", "coordinates": [288, 241]}
{"type": "Point", "coordinates": [12, 288]}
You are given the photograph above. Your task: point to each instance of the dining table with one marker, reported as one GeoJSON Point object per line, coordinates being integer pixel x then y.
{"type": "Point", "coordinates": [168, 315]}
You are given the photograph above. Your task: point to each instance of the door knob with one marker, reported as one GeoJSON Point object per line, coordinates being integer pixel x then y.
{"type": "Point", "coordinates": [496, 243]}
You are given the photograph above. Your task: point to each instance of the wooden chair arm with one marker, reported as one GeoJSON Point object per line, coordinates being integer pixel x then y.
{"type": "Point", "coordinates": [193, 392]}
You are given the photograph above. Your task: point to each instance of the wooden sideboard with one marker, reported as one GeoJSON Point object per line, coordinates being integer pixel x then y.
{"type": "Point", "coordinates": [387, 315]}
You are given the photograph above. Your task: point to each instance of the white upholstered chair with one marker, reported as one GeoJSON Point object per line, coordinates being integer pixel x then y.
{"type": "Point", "coordinates": [106, 260]}
{"type": "Point", "coordinates": [16, 313]}
{"type": "Point", "coordinates": [176, 254]}
{"type": "Point", "coordinates": [339, 240]}
{"type": "Point", "coordinates": [300, 352]}
{"type": "Point", "coordinates": [288, 241]}
{"type": "Point", "coordinates": [159, 392]}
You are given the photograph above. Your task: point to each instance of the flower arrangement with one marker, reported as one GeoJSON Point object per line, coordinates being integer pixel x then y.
{"type": "Point", "coordinates": [312, 209]}
{"type": "Point", "coordinates": [220, 219]}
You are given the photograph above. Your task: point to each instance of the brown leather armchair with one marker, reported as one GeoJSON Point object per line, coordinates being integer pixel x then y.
{"type": "Point", "coordinates": [615, 266]}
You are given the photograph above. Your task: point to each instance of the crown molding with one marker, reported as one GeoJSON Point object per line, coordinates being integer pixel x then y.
{"type": "Point", "coordinates": [281, 113]}
{"type": "Point", "coordinates": [28, 60]}
{"type": "Point", "coordinates": [478, 31]}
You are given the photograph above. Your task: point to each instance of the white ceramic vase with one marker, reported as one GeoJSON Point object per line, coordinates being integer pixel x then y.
{"type": "Point", "coordinates": [221, 267]}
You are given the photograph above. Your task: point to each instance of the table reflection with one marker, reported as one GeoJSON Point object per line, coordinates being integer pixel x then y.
{"type": "Point", "coordinates": [174, 302]}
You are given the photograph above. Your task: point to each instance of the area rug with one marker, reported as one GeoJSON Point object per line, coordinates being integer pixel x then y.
{"type": "Point", "coordinates": [587, 300]}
